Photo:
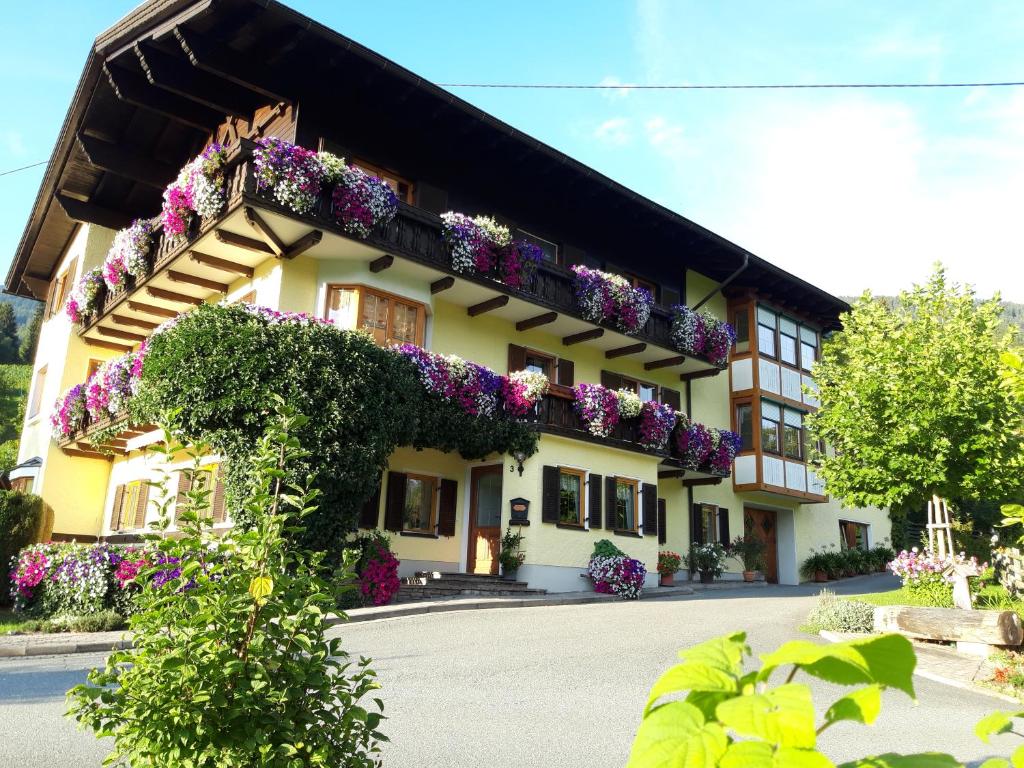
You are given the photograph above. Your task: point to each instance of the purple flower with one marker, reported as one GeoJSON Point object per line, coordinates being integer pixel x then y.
{"type": "Point", "coordinates": [608, 298]}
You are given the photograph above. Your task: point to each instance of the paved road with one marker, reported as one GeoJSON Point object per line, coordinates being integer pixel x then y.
{"type": "Point", "coordinates": [559, 686]}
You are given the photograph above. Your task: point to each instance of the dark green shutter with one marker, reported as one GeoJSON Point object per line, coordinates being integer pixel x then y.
{"type": "Point", "coordinates": [723, 526]}
{"type": "Point", "coordinates": [550, 495]}
{"type": "Point", "coordinates": [394, 510]}
{"type": "Point", "coordinates": [516, 358]}
{"type": "Point", "coordinates": [370, 512]}
{"type": "Point", "coordinates": [446, 508]}
{"type": "Point", "coordinates": [611, 511]}
{"type": "Point", "coordinates": [594, 494]}
{"type": "Point", "coordinates": [696, 525]}
{"type": "Point", "coordinates": [610, 380]}
{"type": "Point", "coordinates": [566, 372]}
{"type": "Point", "coordinates": [662, 522]}
{"type": "Point", "coordinates": [671, 397]}
{"type": "Point", "coordinates": [649, 508]}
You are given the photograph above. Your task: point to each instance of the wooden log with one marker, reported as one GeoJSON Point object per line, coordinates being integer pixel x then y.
{"type": "Point", "coordinates": [991, 627]}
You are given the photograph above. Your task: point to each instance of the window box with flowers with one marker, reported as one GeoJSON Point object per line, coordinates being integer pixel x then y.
{"type": "Point", "coordinates": [482, 246]}
{"type": "Point", "coordinates": [608, 298]}
{"type": "Point", "coordinates": [669, 564]}
{"type": "Point", "coordinates": [700, 333]}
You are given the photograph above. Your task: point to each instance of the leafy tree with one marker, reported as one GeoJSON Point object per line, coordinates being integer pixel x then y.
{"type": "Point", "coordinates": [27, 349]}
{"type": "Point", "coordinates": [912, 403]}
{"type": "Point", "coordinates": [9, 341]}
{"type": "Point", "coordinates": [15, 381]}
{"type": "Point", "coordinates": [20, 516]}
{"type": "Point", "coordinates": [231, 666]}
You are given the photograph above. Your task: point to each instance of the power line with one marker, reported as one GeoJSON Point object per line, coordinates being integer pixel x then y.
{"type": "Point", "coordinates": [23, 168]}
{"type": "Point", "coordinates": [724, 87]}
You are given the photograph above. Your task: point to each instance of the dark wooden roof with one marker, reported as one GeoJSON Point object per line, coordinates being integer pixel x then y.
{"type": "Point", "coordinates": [157, 83]}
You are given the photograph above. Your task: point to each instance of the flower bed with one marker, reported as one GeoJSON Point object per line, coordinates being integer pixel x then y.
{"type": "Point", "coordinates": [607, 298]}
{"type": "Point", "coordinates": [198, 189]}
{"type": "Point", "coordinates": [928, 577]}
{"type": "Point", "coordinates": [85, 298]}
{"type": "Point", "coordinates": [700, 333]}
{"type": "Point", "coordinates": [617, 575]}
{"type": "Point", "coordinates": [480, 245]}
{"type": "Point", "coordinates": [128, 254]}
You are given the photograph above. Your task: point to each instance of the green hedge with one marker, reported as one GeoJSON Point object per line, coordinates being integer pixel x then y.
{"type": "Point", "coordinates": [20, 516]}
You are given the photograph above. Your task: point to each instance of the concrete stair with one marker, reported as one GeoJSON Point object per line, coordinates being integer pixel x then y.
{"type": "Point", "coordinates": [433, 585]}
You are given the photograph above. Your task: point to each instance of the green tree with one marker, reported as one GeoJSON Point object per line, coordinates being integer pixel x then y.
{"type": "Point", "coordinates": [9, 341]}
{"type": "Point", "coordinates": [27, 349]}
{"type": "Point", "coordinates": [912, 403]}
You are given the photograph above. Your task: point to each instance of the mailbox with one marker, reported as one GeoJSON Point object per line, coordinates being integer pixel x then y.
{"type": "Point", "coordinates": [520, 511]}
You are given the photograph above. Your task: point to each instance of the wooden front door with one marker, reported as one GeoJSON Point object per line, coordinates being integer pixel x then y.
{"type": "Point", "coordinates": [763, 524]}
{"type": "Point", "coordinates": [484, 519]}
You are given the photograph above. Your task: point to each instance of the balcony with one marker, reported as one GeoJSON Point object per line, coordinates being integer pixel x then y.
{"type": "Point", "coordinates": [778, 476]}
{"type": "Point", "coordinates": [199, 265]}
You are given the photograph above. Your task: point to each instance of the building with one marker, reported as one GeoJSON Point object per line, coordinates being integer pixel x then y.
{"type": "Point", "coordinates": [175, 75]}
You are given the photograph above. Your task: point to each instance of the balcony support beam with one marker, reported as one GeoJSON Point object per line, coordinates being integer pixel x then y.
{"type": "Point", "coordinates": [263, 229]}
{"type": "Point", "coordinates": [665, 362]}
{"type": "Point", "coordinates": [222, 264]}
{"type": "Point", "coordinates": [443, 284]}
{"type": "Point", "coordinates": [382, 263]}
{"type": "Point", "coordinates": [630, 349]}
{"type": "Point", "coordinates": [133, 321]}
{"type": "Point", "coordinates": [576, 338]}
{"type": "Point", "coordinates": [181, 298]}
{"type": "Point", "coordinates": [78, 453]}
{"type": "Point", "coordinates": [243, 242]}
{"type": "Point", "coordinates": [117, 333]}
{"type": "Point", "coordinates": [694, 481]}
{"type": "Point", "coordinates": [304, 243]}
{"type": "Point", "coordinates": [486, 306]}
{"type": "Point", "coordinates": [201, 282]}
{"type": "Point", "coordinates": [150, 309]}
{"type": "Point", "coordinates": [536, 321]}
{"type": "Point", "coordinates": [106, 345]}
{"type": "Point", "coordinates": [699, 374]}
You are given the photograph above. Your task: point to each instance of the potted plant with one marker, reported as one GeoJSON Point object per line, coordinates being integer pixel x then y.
{"type": "Point", "coordinates": [835, 563]}
{"type": "Point", "coordinates": [816, 566]}
{"type": "Point", "coordinates": [851, 561]}
{"type": "Point", "coordinates": [707, 560]}
{"type": "Point", "coordinates": [748, 550]}
{"type": "Point", "coordinates": [884, 555]}
{"type": "Point", "coordinates": [511, 555]}
{"type": "Point", "coordinates": [669, 564]}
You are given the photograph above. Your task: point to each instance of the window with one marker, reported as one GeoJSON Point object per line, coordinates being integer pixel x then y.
{"type": "Point", "coordinates": [62, 287]}
{"type": "Point", "coordinates": [709, 523]}
{"type": "Point", "coordinates": [639, 282]}
{"type": "Point", "coordinates": [401, 187]}
{"type": "Point", "coordinates": [570, 496]}
{"type": "Point", "coordinates": [420, 492]}
{"type": "Point", "coordinates": [537, 362]}
{"type": "Point", "coordinates": [808, 347]}
{"type": "Point", "coordinates": [787, 341]}
{"type": "Point", "coordinates": [793, 343]}
{"type": "Point", "coordinates": [125, 505]}
{"type": "Point", "coordinates": [248, 298]}
{"type": "Point", "coordinates": [389, 319]}
{"type": "Point", "coordinates": [626, 500]}
{"type": "Point", "coordinates": [766, 327]}
{"type": "Point", "coordinates": [853, 535]}
{"type": "Point", "coordinates": [792, 434]}
{"type": "Point", "coordinates": [549, 249]}
{"type": "Point", "coordinates": [771, 416]}
{"type": "Point", "coordinates": [37, 393]}
{"type": "Point", "coordinates": [646, 392]}
{"type": "Point", "coordinates": [745, 426]}
{"type": "Point", "coordinates": [22, 485]}
{"type": "Point", "coordinates": [741, 322]}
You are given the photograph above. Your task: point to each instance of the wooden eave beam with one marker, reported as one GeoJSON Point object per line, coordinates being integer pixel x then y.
{"type": "Point", "coordinates": [152, 309]}
{"type": "Point", "coordinates": [126, 163]}
{"type": "Point", "coordinates": [181, 298]}
{"type": "Point", "coordinates": [381, 263]}
{"type": "Point", "coordinates": [536, 321]}
{"type": "Point", "coordinates": [213, 57]}
{"type": "Point", "coordinates": [669, 474]}
{"type": "Point", "coordinates": [90, 213]}
{"type": "Point", "coordinates": [699, 374]}
{"type": "Point", "coordinates": [665, 362]}
{"type": "Point", "coordinates": [133, 321]}
{"type": "Point", "coordinates": [200, 282]}
{"type": "Point", "coordinates": [132, 88]}
{"type": "Point", "coordinates": [117, 333]}
{"type": "Point", "coordinates": [442, 284]}
{"type": "Point", "coordinates": [486, 306]}
{"type": "Point", "coordinates": [576, 338]}
{"type": "Point", "coordinates": [304, 243]}
{"type": "Point", "coordinates": [182, 79]}
{"type": "Point", "coordinates": [631, 349]}
{"type": "Point", "coordinates": [106, 345]}
{"type": "Point", "coordinates": [694, 481]}
{"type": "Point", "coordinates": [78, 453]}
{"type": "Point", "coordinates": [243, 242]}
{"type": "Point", "coordinates": [222, 264]}
{"type": "Point", "coordinates": [263, 229]}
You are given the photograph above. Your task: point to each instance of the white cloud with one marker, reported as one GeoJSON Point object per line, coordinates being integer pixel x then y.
{"type": "Point", "coordinates": [617, 93]}
{"type": "Point", "coordinates": [903, 44]}
{"type": "Point", "coordinates": [14, 142]}
{"type": "Point", "coordinates": [614, 131]}
{"type": "Point", "coordinates": [652, 41]}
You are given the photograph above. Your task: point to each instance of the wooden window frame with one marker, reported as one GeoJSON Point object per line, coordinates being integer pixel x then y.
{"type": "Point", "coordinates": [581, 503]}
{"type": "Point", "coordinates": [778, 431]}
{"type": "Point", "coordinates": [746, 403]}
{"type": "Point", "coordinates": [636, 503]}
{"type": "Point", "coordinates": [384, 175]}
{"type": "Point", "coordinates": [361, 291]}
{"type": "Point", "coordinates": [35, 405]}
{"type": "Point", "coordinates": [129, 501]}
{"type": "Point", "coordinates": [863, 528]}
{"type": "Point", "coordinates": [801, 431]}
{"type": "Point", "coordinates": [641, 282]}
{"type": "Point", "coordinates": [435, 486]}
{"type": "Point", "coordinates": [552, 373]}
{"type": "Point", "coordinates": [94, 365]}
{"type": "Point", "coordinates": [709, 530]}
{"type": "Point", "coordinates": [637, 383]}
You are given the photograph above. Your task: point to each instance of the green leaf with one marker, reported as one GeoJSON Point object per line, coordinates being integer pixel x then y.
{"type": "Point", "coordinates": [675, 735]}
{"type": "Point", "coordinates": [1017, 758]}
{"type": "Point", "coordinates": [890, 660]}
{"type": "Point", "coordinates": [995, 723]}
{"type": "Point", "coordinates": [861, 706]}
{"type": "Point", "coordinates": [758, 754]}
{"type": "Point", "coordinates": [996, 762]}
{"type": "Point", "coordinates": [920, 760]}
{"type": "Point", "coordinates": [723, 653]}
{"type": "Point", "coordinates": [691, 676]}
{"type": "Point", "coordinates": [783, 716]}
{"type": "Point", "coordinates": [261, 587]}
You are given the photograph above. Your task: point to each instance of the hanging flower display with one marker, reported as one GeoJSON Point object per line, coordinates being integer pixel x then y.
{"type": "Point", "coordinates": [629, 404]}
{"type": "Point", "coordinates": [700, 333]}
{"type": "Point", "coordinates": [292, 174]}
{"type": "Point", "coordinates": [693, 440]}
{"type": "Point", "coordinates": [618, 575]}
{"type": "Point", "coordinates": [598, 407]}
{"type": "Point", "coordinates": [517, 263]}
{"type": "Point", "coordinates": [128, 254]}
{"type": "Point", "coordinates": [472, 387]}
{"type": "Point", "coordinates": [656, 423]}
{"type": "Point", "coordinates": [522, 390]}
{"type": "Point", "coordinates": [69, 412]}
{"type": "Point", "coordinates": [720, 338]}
{"type": "Point", "coordinates": [604, 297]}
{"type": "Point", "coordinates": [473, 242]}
{"type": "Point", "coordinates": [360, 201]}
{"type": "Point", "coordinates": [199, 188]}
{"type": "Point", "coordinates": [724, 450]}
{"type": "Point", "coordinates": [85, 299]}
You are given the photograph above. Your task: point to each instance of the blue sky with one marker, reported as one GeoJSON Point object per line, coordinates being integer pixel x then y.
{"type": "Point", "coordinates": [848, 189]}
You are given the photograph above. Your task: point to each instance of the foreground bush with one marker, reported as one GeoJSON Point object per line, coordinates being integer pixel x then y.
{"type": "Point", "coordinates": [20, 515]}
{"type": "Point", "coordinates": [231, 667]}
{"type": "Point", "coordinates": [834, 614]}
{"type": "Point", "coordinates": [375, 578]}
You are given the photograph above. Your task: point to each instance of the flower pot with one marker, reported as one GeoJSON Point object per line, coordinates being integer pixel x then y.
{"type": "Point", "coordinates": [707, 577]}
{"type": "Point", "coordinates": [667, 579]}
{"type": "Point", "coordinates": [748, 576]}
{"type": "Point", "coordinates": [508, 575]}
{"type": "Point", "coordinates": [820, 577]}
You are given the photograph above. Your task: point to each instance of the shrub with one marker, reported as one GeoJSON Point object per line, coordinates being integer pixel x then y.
{"type": "Point", "coordinates": [511, 555]}
{"type": "Point", "coordinates": [669, 562]}
{"type": "Point", "coordinates": [20, 515]}
{"type": "Point", "coordinates": [839, 615]}
{"type": "Point", "coordinates": [605, 548]}
{"type": "Point", "coordinates": [236, 669]}
{"type": "Point", "coordinates": [816, 562]}
{"type": "Point", "coordinates": [707, 558]}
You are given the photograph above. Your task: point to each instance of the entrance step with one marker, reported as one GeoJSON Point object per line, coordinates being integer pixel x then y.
{"type": "Point", "coordinates": [432, 585]}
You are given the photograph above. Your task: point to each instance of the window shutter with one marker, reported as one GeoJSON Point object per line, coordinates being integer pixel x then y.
{"type": "Point", "coordinates": [431, 198]}
{"type": "Point", "coordinates": [671, 397]}
{"type": "Point", "coordinates": [610, 380]}
{"type": "Point", "coordinates": [370, 512]}
{"type": "Point", "coordinates": [594, 494]}
{"type": "Point", "coordinates": [723, 526]}
{"type": "Point", "coordinates": [140, 506]}
{"type": "Point", "coordinates": [115, 512]}
{"type": "Point", "coordinates": [50, 294]}
{"type": "Point", "coordinates": [550, 495]}
{"type": "Point", "coordinates": [184, 486]}
{"type": "Point", "coordinates": [446, 508]}
{"type": "Point", "coordinates": [394, 509]}
{"type": "Point", "coordinates": [696, 525]}
{"type": "Point", "coordinates": [609, 504]}
{"type": "Point", "coordinates": [566, 372]}
{"type": "Point", "coordinates": [217, 505]}
{"type": "Point", "coordinates": [648, 514]}
{"type": "Point", "coordinates": [662, 522]}
{"type": "Point", "coordinates": [516, 358]}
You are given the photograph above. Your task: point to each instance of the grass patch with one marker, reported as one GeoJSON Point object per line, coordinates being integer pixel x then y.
{"type": "Point", "coordinates": [104, 621]}
{"type": "Point", "coordinates": [991, 597]}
